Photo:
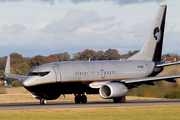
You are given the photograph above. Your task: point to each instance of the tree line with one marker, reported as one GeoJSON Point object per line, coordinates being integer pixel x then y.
{"type": "Point", "coordinates": [22, 65]}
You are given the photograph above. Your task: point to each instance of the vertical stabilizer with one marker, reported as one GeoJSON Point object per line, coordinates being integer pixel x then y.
{"type": "Point", "coordinates": [7, 69]}
{"type": "Point", "coordinates": [152, 47]}
{"type": "Point", "coordinates": [7, 72]}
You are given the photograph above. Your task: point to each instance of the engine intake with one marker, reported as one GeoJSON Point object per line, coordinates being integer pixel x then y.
{"type": "Point", "coordinates": [113, 90]}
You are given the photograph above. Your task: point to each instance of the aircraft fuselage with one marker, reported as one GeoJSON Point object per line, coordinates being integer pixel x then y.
{"type": "Point", "coordinates": [74, 77]}
{"type": "Point", "coordinates": [84, 71]}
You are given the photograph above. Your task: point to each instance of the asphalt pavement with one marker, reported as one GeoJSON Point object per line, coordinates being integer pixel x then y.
{"type": "Point", "coordinates": [21, 106]}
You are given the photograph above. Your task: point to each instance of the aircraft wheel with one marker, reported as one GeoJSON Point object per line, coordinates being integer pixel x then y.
{"type": "Point", "coordinates": [123, 100]}
{"type": "Point", "coordinates": [77, 99]}
{"type": "Point", "coordinates": [83, 99]}
{"type": "Point", "coordinates": [43, 101]}
{"type": "Point", "coordinates": [116, 100]}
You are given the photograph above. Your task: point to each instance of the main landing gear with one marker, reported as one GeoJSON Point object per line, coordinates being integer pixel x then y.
{"type": "Point", "coordinates": [80, 99]}
{"type": "Point", "coordinates": [119, 100]}
{"type": "Point", "coordinates": [83, 99]}
{"type": "Point", "coordinates": [43, 101]}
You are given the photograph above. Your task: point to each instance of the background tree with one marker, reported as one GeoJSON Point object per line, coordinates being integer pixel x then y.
{"type": "Point", "coordinates": [66, 56]}
{"type": "Point", "coordinates": [112, 54]}
{"type": "Point", "coordinates": [115, 56]}
{"type": "Point", "coordinates": [51, 58]}
{"type": "Point", "coordinates": [100, 55]}
{"type": "Point", "coordinates": [60, 57]}
{"type": "Point", "coordinates": [1, 73]}
{"type": "Point", "coordinates": [63, 57]}
{"type": "Point", "coordinates": [16, 56]}
{"type": "Point", "coordinates": [129, 54]}
{"type": "Point", "coordinates": [2, 63]}
{"type": "Point", "coordinates": [85, 55]}
{"type": "Point", "coordinates": [37, 60]}
{"type": "Point", "coordinates": [168, 55]}
{"type": "Point", "coordinates": [76, 56]}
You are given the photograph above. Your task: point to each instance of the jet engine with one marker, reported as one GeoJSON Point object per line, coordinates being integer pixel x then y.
{"type": "Point", "coordinates": [113, 90]}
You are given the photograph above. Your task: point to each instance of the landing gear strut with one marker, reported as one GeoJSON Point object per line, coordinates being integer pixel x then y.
{"type": "Point", "coordinates": [80, 99]}
{"type": "Point", "coordinates": [43, 101]}
{"type": "Point", "coordinates": [119, 100]}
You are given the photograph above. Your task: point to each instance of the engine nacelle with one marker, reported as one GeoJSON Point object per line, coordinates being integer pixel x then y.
{"type": "Point", "coordinates": [113, 90]}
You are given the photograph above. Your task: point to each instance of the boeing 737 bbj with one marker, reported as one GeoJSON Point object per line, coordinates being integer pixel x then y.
{"type": "Point", "coordinates": [111, 79]}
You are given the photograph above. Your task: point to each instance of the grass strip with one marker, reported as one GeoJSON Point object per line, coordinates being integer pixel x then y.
{"type": "Point", "coordinates": [167, 112]}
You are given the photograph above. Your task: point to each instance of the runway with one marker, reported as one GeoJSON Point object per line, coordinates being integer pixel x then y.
{"type": "Point", "coordinates": [22, 106]}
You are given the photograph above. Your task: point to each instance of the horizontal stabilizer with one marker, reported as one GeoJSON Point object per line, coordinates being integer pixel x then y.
{"type": "Point", "coordinates": [168, 64]}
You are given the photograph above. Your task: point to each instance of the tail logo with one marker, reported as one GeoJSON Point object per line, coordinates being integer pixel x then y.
{"type": "Point", "coordinates": [157, 33]}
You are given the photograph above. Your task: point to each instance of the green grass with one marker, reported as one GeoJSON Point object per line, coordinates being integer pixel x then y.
{"type": "Point", "coordinates": [169, 112]}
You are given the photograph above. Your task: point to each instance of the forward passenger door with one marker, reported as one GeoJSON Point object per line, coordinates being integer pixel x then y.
{"type": "Point", "coordinates": [57, 73]}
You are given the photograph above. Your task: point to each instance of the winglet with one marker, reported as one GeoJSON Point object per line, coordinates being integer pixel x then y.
{"type": "Point", "coordinates": [7, 69]}
{"type": "Point", "coordinates": [162, 4]}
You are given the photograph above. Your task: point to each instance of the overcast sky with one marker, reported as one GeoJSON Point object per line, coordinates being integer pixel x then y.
{"type": "Point", "coordinates": [44, 27]}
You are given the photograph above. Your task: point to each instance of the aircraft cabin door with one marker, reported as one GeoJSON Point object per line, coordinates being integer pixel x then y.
{"type": "Point", "coordinates": [57, 73]}
{"type": "Point", "coordinates": [148, 68]}
{"type": "Point", "coordinates": [102, 74]}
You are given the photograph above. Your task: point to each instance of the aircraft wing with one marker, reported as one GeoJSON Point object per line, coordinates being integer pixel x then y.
{"type": "Point", "coordinates": [16, 77]}
{"type": "Point", "coordinates": [157, 78]}
{"type": "Point", "coordinates": [98, 84]}
{"type": "Point", "coordinates": [7, 72]}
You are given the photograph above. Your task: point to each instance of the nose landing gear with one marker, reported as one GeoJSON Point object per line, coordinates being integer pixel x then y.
{"type": "Point", "coordinates": [43, 101]}
{"type": "Point", "coordinates": [80, 99]}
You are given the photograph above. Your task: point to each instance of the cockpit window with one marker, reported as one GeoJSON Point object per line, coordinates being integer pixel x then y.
{"type": "Point", "coordinates": [38, 73]}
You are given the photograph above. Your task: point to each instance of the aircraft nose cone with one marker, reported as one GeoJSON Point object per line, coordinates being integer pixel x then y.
{"type": "Point", "coordinates": [27, 82]}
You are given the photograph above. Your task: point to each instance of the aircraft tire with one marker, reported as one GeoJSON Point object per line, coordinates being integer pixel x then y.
{"type": "Point", "coordinates": [77, 99]}
{"type": "Point", "coordinates": [43, 102]}
{"type": "Point", "coordinates": [116, 100]}
{"type": "Point", "coordinates": [123, 100]}
{"type": "Point", "coordinates": [83, 99]}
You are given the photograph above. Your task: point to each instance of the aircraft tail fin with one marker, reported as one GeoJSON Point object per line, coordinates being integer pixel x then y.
{"type": "Point", "coordinates": [7, 69]}
{"type": "Point", "coordinates": [152, 47]}
{"type": "Point", "coordinates": [7, 72]}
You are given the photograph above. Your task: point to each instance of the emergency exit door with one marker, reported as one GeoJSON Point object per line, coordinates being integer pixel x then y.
{"type": "Point", "coordinates": [102, 74]}
{"type": "Point", "coordinates": [57, 73]}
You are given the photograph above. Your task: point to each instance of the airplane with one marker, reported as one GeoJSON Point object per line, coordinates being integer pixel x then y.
{"type": "Point", "coordinates": [111, 79]}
